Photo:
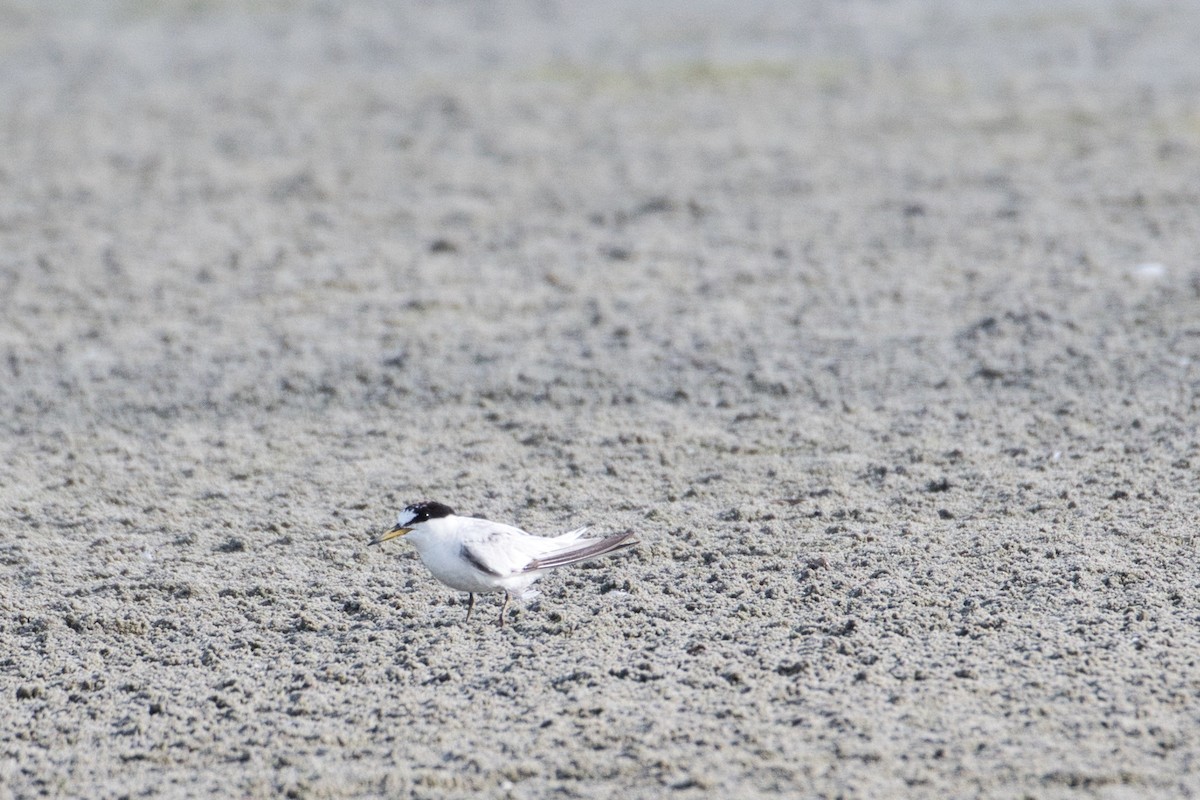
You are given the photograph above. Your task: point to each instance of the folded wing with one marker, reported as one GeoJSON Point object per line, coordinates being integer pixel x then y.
{"type": "Point", "coordinates": [501, 550]}
{"type": "Point", "coordinates": [581, 551]}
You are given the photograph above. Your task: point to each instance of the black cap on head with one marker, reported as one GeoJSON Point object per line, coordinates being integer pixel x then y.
{"type": "Point", "coordinates": [427, 510]}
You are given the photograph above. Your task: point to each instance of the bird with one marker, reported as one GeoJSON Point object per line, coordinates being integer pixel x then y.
{"type": "Point", "coordinates": [478, 556]}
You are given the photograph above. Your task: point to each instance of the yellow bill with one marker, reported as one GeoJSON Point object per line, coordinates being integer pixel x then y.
{"type": "Point", "coordinates": [398, 530]}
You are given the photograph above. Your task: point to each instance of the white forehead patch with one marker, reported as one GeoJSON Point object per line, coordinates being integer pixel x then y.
{"type": "Point", "coordinates": [405, 517]}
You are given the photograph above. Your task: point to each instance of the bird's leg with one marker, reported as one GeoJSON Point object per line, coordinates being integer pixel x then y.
{"type": "Point", "coordinates": [470, 605]}
{"type": "Point", "coordinates": [502, 609]}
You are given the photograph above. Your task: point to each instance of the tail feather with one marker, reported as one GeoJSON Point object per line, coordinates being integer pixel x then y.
{"type": "Point", "coordinates": [571, 536]}
{"type": "Point", "coordinates": [589, 549]}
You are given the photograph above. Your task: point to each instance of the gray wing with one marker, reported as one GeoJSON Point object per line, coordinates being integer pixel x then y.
{"type": "Point", "coordinates": [582, 551]}
{"type": "Point", "coordinates": [479, 561]}
{"type": "Point", "coordinates": [499, 550]}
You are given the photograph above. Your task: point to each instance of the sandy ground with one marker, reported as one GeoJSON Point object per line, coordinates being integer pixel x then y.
{"type": "Point", "coordinates": [880, 322]}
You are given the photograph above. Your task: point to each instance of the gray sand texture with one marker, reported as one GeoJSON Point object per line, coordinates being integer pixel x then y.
{"type": "Point", "coordinates": [879, 323]}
